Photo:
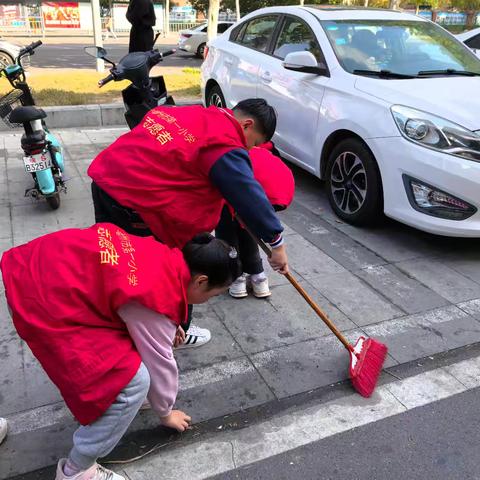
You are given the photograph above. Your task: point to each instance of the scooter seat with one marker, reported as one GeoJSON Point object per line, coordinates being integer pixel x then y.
{"type": "Point", "coordinates": [26, 114]}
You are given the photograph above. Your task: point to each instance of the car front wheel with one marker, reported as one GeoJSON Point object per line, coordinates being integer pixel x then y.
{"type": "Point", "coordinates": [201, 50]}
{"type": "Point", "coordinates": [354, 185]}
{"type": "Point", "coordinates": [5, 60]}
{"type": "Point", "coordinates": [215, 97]}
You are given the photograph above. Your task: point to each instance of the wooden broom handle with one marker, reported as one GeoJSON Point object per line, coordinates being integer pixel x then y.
{"type": "Point", "coordinates": [300, 290]}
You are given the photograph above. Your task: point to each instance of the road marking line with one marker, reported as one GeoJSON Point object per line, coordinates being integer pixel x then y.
{"type": "Point", "coordinates": [294, 429]}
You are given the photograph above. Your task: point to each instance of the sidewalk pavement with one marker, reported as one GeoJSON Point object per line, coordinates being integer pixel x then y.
{"type": "Point", "coordinates": [418, 293]}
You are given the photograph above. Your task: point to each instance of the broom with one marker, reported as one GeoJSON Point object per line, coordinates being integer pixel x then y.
{"type": "Point", "coordinates": [367, 356]}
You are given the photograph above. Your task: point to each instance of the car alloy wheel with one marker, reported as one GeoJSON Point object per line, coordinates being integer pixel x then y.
{"type": "Point", "coordinates": [348, 182]}
{"type": "Point", "coordinates": [354, 183]}
{"type": "Point", "coordinates": [215, 97]}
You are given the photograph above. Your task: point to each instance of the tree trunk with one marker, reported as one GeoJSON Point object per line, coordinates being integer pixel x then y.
{"type": "Point", "coordinates": [471, 17]}
{"type": "Point", "coordinates": [393, 4]}
{"type": "Point", "coordinates": [213, 9]}
{"type": "Point", "coordinates": [417, 9]}
{"type": "Point", "coordinates": [302, 2]}
{"type": "Point", "coordinates": [365, 3]}
{"type": "Point", "coordinates": [237, 9]}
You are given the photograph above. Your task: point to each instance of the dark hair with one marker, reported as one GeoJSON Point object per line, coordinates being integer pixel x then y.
{"type": "Point", "coordinates": [263, 114]}
{"type": "Point", "coordinates": [210, 256]}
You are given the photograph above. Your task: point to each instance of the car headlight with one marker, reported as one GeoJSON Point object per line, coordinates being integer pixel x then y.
{"type": "Point", "coordinates": [437, 133]}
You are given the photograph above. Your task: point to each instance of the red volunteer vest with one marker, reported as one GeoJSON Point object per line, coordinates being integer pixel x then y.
{"type": "Point", "coordinates": [64, 290]}
{"type": "Point", "coordinates": [273, 175]}
{"type": "Point", "coordinates": [160, 169]}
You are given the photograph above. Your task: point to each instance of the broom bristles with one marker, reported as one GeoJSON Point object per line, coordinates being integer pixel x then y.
{"type": "Point", "coordinates": [365, 372]}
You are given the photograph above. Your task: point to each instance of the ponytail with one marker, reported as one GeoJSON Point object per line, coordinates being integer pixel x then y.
{"type": "Point", "coordinates": [210, 256]}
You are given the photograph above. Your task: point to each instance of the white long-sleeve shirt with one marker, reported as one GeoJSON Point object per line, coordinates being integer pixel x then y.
{"type": "Point", "coordinates": [153, 335]}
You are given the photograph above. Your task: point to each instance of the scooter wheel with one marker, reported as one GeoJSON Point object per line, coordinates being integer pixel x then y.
{"type": "Point", "coordinates": [54, 201]}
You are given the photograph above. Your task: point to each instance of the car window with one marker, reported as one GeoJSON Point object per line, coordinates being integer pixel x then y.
{"type": "Point", "coordinates": [474, 42]}
{"type": "Point", "coordinates": [222, 27]}
{"type": "Point", "coordinates": [406, 46]}
{"type": "Point", "coordinates": [296, 36]}
{"type": "Point", "coordinates": [258, 32]}
{"type": "Point", "coordinates": [204, 29]}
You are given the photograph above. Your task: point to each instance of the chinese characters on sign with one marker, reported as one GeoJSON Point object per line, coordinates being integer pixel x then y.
{"type": "Point", "coordinates": [154, 128]}
{"type": "Point", "coordinates": [108, 252]}
{"type": "Point", "coordinates": [157, 130]}
{"type": "Point", "coordinates": [128, 249]}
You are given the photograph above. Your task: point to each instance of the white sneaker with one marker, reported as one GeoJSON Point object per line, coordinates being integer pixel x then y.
{"type": "Point", "coordinates": [3, 429]}
{"type": "Point", "coordinates": [95, 472]}
{"type": "Point", "coordinates": [238, 289]}
{"type": "Point", "coordinates": [195, 337]}
{"type": "Point", "coordinates": [260, 288]}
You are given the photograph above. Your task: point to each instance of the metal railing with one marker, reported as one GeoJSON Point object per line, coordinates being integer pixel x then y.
{"type": "Point", "coordinates": [178, 26]}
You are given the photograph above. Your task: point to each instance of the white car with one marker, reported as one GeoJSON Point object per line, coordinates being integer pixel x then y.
{"type": "Point", "coordinates": [381, 104]}
{"type": "Point", "coordinates": [9, 52]}
{"type": "Point", "coordinates": [194, 40]}
{"type": "Point", "coordinates": [471, 38]}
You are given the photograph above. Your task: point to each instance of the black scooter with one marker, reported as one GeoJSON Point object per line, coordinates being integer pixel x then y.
{"type": "Point", "coordinates": [145, 92]}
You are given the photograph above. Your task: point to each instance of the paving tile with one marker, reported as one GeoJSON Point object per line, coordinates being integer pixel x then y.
{"type": "Point", "coordinates": [221, 347]}
{"type": "Point", "coordinates": [73, 137]}
{"type": "Point", "coordinates": [442, 279]}
{"type": "Point", "coordinates": [417, 336]}
{"type": "Point", "coordinates": [307, 365]}
{"type": "Point", "coordinates": [308, 260]}
{"type": "Point", "coordinates": [466, 262]}
{"type": "Point", "coordinates": [410, 295]}
{"type": "Point", "coordinates": [471, 307]}
{"type": "Point", "coordinates": [392, 241]}
{"type": "Point", "coordinates": [222, 389]}
{"type": "Point", "coordinates": [255, 324]}
{"type": "Point", "coordinates": [338, 246]}
{"type": "Point", "coordinates": [31, 221]}
{"type": "Point", "coordinates": [40, 389]}
{"type": "Point", "coordinates": [301, 318]}
{"type": "Point", "coordinates": [357, 301]}
{"type": "Point", "coordinates": [5, 228]}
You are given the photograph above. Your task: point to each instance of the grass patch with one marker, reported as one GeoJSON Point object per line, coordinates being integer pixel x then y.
{"type": "Point", "coordinates": [79, 87]}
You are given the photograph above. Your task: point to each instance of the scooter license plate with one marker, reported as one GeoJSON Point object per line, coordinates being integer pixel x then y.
{"type": "Point", "coordinates": [37, 162]}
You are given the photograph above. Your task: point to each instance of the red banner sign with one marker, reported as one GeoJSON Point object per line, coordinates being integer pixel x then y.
{"type": "Point", "coordinates": [61, 14]}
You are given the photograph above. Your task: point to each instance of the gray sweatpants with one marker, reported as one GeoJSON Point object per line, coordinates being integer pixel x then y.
{"type": "Point", "coordinates": [100, 437]}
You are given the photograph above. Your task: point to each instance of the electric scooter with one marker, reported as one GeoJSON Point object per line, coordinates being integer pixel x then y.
{"type": "Point", "coordinates": [144, 92]}
{"type": "Point", "coordinates": [43, 157]}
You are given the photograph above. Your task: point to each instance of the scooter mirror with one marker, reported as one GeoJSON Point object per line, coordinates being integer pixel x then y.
{"type": "Point", "coordinates": [96, 52]}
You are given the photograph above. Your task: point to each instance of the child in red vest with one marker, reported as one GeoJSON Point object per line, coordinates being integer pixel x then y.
{"type": "Point", "coordinates": [99, 309]}
{"type": "Point", "coordinates": [279, 185]}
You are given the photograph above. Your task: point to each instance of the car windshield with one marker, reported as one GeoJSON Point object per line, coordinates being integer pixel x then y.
{"type": "Point", "coordinates": [398, 47]}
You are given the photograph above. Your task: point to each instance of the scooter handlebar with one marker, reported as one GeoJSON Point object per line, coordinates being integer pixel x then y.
{"type": "Point", "coordinates": [105, 80]}
{"type": "Point", "coordinates": [30, 48]}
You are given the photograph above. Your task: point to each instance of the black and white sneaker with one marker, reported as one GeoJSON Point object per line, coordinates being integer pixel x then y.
{"type": "Point", "coordinates": [195, 337]}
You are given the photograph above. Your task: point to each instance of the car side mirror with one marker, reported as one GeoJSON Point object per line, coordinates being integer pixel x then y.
{"type": "Point", "coordinates": [304, 62]}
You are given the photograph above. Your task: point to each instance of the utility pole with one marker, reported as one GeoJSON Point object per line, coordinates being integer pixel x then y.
{"type": "Point", "coordinates": [237, 8]}
{"type": "Point", "coordinates": [97, 32]}
{"type": "Point", "coordinates": [213, 9]}
{"type": "Point", "coordinates": [167, 17]}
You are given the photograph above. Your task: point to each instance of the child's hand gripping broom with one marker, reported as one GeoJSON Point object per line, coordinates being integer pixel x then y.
{"type": "Point", "coordinates": [366, 356]}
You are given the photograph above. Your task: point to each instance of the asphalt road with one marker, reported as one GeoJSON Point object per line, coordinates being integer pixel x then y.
{"type": "Point", "coordinates": [73, 56]}
{"type": "Point", "coordinates": [438, 441]}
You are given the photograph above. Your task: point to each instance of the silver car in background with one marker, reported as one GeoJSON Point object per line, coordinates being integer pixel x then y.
{"type": "Point", "coordinates": [9, 52]}
{"type": "Point", "coordinates": [195, 39]}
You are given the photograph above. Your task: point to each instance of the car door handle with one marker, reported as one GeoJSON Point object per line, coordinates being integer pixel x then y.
{"type": "Point", "coordinates": [229, 61]}
{"type": "Point", "coordinates": [266, 77]}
